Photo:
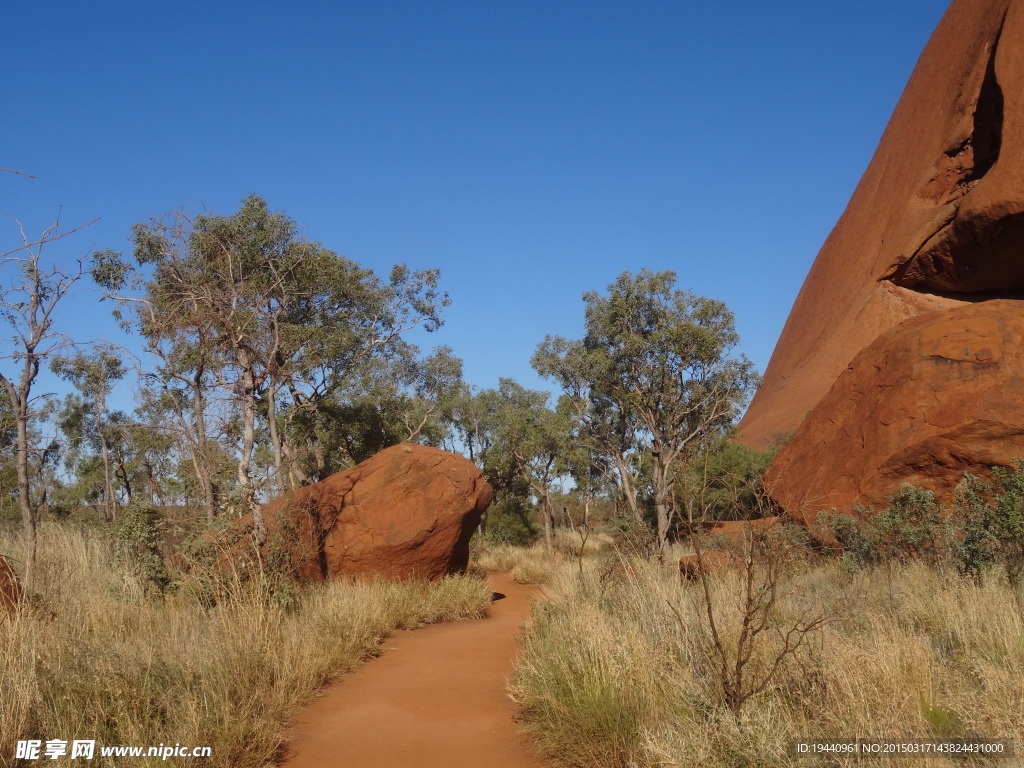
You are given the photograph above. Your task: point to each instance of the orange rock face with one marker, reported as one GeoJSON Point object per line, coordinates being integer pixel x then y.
{"type": "Point", "coordinates": [927, 256]}
{"type": "Point", "coordinates": [939, 394]}
{"type": "Point", "coordinates": [406, 513]}
{"type": "Point", "coordinates": [10, 589]}
{"type": "Point", "coordinates": [713, 562]}
{"type": "Point", "coordinates": [736, 531]}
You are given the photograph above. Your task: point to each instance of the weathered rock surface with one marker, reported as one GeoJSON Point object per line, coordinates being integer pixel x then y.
{"type": "Point", "coordinates": [936, 223]}
{"type": "Point", "coordinates": [10, 589]}
{"type": "Point", "coordinates": [406, 513]}
{"type": "Point", "coordinates": [939, 394]}
{"type": "Point", "coordinates": [712, 562]}
{"type": "Point", "coordinates": [736, 531]}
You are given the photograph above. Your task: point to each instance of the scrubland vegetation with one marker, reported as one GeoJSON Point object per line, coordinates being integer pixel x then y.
{"type": "Point", "coordinates": [99, 654]}
{"type": "Point", "coordinates": [270, 362]}
{"type": "Point", "coordinates": [620, 666]}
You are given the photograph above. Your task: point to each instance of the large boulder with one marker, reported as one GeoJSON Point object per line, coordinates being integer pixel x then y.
{"type": "Point", "coordinates": [712, 563]}
{"type": "Point", "coordinates": [939, 394]}
{"type": "Point", "coordinates": [406, 513]}
{"type": "Point", "coordinates": [935, 227]}
{"type": "Point", "coordinates": [10, 589]}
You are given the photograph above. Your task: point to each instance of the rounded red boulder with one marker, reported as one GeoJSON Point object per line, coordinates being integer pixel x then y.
{"type": "Point", "coordinates": [406, 513]}
{"type": "Point", "coordinates": [10, 589]}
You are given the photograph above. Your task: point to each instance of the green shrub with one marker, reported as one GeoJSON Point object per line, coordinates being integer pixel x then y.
{"type": "Point", "coordinates": [912, 527]}
{"type": "Point", "coordinates": [992, 516]}
{"type": "Point", "coordinates": [726, 482]}
{"type": "Point", "coordinates": [509, 521]}
{"type": "Point", "coordinates": [137, 547]}
{"type": "Point", "coordinates": [222, 563]}
{"type": "Point", "coordinates": [859, 548]}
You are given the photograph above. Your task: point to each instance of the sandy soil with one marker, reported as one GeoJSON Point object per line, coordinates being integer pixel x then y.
{"type": "Point", "coordinates": [436, 697]}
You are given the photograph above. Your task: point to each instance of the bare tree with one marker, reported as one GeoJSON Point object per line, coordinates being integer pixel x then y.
{"type": "Point", "coordinates": [28, 304]}
{"type": "Point", "coordinates": [763, 556]}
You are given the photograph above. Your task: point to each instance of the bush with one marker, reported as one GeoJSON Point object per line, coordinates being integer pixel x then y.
{"type": "Point", "coordinates": [912, 527]}
{"type": "Point", "coordinates": [728, 485]}
{"type": "Point", "coordinates": [859, 548]}
{"type": "Point", "coordinates": [137, 547]}
{"type": "Point", "coordinates": [509, 522]}
{"type": "Point", "coordinates": [992, 517]}
{"type": "Point", "coordinates": [222, 563]}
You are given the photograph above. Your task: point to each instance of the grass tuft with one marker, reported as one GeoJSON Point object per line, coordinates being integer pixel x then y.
{"type": "Point", "coordinates": [96, 656]}
{"type": "Point", "coordinates": [617, 668]}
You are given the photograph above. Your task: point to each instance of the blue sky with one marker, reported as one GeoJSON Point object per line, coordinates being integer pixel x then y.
{"type": "Point", "coordinates": [530, 150]}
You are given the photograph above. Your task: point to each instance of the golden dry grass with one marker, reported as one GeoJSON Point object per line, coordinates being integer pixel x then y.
{"type": "Point", "coordinates": [617, 669]}
{"type": "Point", "coordinates": [94, 658]}
{"type": "Point", "coordinates": [534, 565]}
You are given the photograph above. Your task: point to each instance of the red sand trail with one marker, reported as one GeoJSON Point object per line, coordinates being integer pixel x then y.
{"type": "Point", "coordinates": [435, 699]}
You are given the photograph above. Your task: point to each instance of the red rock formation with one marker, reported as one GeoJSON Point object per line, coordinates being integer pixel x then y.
{"type": "Point", "coordinates": [713, 562]}
{"type": "Point", "coordinates": [945, 165]}
{"type": "Point", "coordinates": [735, 531]}
{"type": "Point", "coordinates": [936, 223]}
{"type": "Point", "coordinates": [10, 589]}
{"type": "Point", "coordinates": [941, 393]}
{"type": "Point", "coordinates": [407, 512]}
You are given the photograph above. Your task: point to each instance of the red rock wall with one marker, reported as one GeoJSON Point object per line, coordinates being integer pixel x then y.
{"type": "Point", "coordinates": [880, 373]}
{"type": "Point", "coordinates": [938, 395]}
{"type": "Point", "coordinates": [911, 190]}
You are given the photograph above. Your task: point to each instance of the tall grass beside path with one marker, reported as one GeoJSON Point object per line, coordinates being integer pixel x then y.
{"type": "Point", "coordinates": [92, 658]}
{"type": "Point", "coordinates": [617, 668]}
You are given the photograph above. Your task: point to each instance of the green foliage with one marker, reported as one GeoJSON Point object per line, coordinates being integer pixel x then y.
{"type": "Point", "coordinates": [653, 379]}
{"type": "Point", "coordinates": [854, 537]}
{"type": "Point", "coordinates": [307, 347]}
{"type": "Point", "coordinates": [137, 547]}
{"type": "Point", "coordinates": [633, 537]}
{"type": "Point", "coordinates": [222, 564]}
{"type": "Point", "coordinates": [992, 516]}
{"type": "Point", "coordinates": [985, 528]}
{"type": "Point", "coordinates": [723, 482]}
{"type": "Point", "coordinates": [510, 521]}
{"type": "Point", "coordinates": [912, 527]}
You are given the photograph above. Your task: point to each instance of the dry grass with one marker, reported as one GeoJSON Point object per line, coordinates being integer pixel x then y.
{"type": "Point", "coordinates": [92, 658]}
{"type": "Point", "coordinates": [527, 565]}
{"type": "Point", "coordinates": [534, 565]}
{"type": "Point", "coordinates": [616, 670]}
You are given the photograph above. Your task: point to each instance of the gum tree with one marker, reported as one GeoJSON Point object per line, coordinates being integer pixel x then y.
{"type": "Point", "coordinates": [654, 377]}
{"type": "Point", "coordinates": [93, 375]}
{"type": "Point", "coordinates": [280, 323]}
{"type": "Point", "coordinates": [527, 445]}
{"type": "Point", "coordinates": [31, 293]}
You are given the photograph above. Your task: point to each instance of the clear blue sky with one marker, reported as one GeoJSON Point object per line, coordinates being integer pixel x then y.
{"type": "Point", "coordinates": [530, 150]}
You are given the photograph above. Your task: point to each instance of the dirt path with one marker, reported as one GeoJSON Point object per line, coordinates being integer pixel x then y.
{"type": "Point", "coordinates": [435, 698]}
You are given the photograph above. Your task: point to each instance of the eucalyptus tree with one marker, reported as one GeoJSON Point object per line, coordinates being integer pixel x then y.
{"type": "Point", "coordinates": [177, 402]}
{"type": "Point", "coordinates": [654, 377]}
{"type": "Point", "coordinates": [520, 443]}
{"type": "Point", "coordinates": [264, 314]}
{"type": "Point", "coordinates": [30, 294]}
{"type": "Point", "coordinates": [354, 348]}
{"type": "Point", "coordinates": [426, 391]}
{"type": "Point", "coordinates": [536, 440]}
{"type": "Point", "coordinates": [93, 376]}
